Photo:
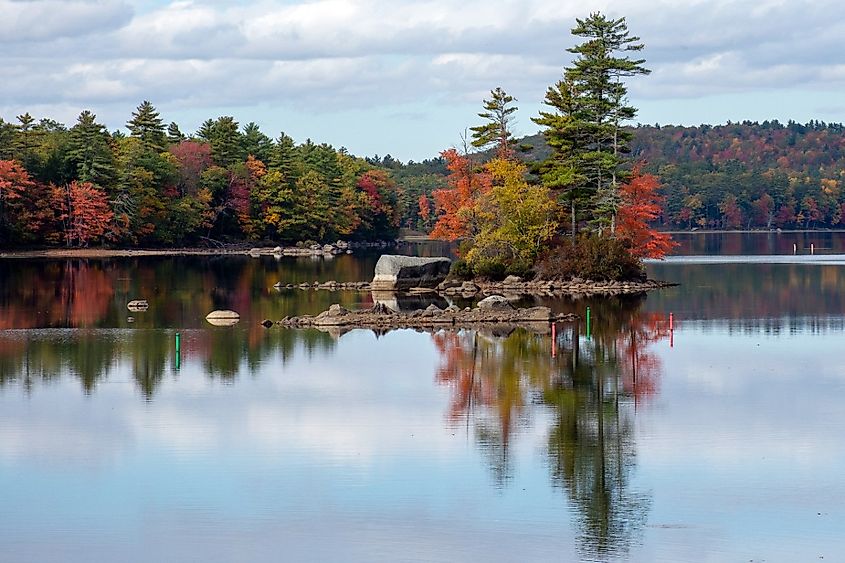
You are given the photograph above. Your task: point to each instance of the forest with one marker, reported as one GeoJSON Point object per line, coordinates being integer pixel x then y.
{"type": "Point", "coordinates": [155, 186]}
{"type": "Point", "coordinates": [510, 200]}
{"type": "Point", "coordinates": [746, 175]}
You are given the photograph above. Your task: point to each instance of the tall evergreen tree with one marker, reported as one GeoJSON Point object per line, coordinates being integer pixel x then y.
{"type": "Point", "coordinates": [284, 159]}
{"type": "Point", "coordinates": [590, 107]}
{"type": "Point", "coordinates": [174, 134]}
{"type": "Point", "coordinates": [256, 143]}
{"type": "Point", "coordinates": [226, 142]}
{"type": "Point", "coordinates": [498, 113]}
{"type": "Point", "coordinates": [206, 131]}
{"type": "Point", "coordinates": [90, 152]}
{"type": "Point", "coordinates": [147, 125]}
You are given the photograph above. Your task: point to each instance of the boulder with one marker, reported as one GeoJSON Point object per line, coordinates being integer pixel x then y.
{"type": "Point", "coordinates": [495, 303]}
{"type": "Point", "coordinates": [223, 318]}
{"type": "Point", "coordinates": [138, 305]}
{"type": "Point", "coordinates": [512, 280]}
{"type": "Point", "coordinates": [394, 273]}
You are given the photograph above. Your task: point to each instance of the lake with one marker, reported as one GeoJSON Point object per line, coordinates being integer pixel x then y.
{"type": "Point", "coordinates": [717, 440]}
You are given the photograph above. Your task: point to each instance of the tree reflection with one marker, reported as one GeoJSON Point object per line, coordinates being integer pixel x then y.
{"type": "Point", "coordinates": [591, 386]}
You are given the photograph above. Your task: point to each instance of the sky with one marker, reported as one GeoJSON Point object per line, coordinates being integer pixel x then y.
{"type": "Point", "coordinates": [407, 78]}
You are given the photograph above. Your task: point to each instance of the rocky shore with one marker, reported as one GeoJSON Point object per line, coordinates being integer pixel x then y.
{"type": "Point", "coordinates": [510, 286]}
{"type": "Point", "coordinates": [314, 249]}
{"type": "Point", "coordinates": [494, 310]}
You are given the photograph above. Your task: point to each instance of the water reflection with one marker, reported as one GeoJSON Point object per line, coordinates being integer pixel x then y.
{"type": "Point", "coordinates": [591, 386]}
{"type": "Point", "coordinates": [29, 357]}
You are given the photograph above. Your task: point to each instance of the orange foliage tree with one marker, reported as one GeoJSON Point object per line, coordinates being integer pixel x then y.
{"type": "Point", "coordinates": [455, 205]}
{"type": "Point", "coordinates": [640, 206]}
{"type": "Point", "coordinates": [83, 211]}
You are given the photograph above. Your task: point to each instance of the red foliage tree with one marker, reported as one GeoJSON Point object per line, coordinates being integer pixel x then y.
{"type": "Point", "coordinates": [193, 158]}
{"type": "Point", "coordinates": [84, 212]}
{"type": "Point", "coordinates": [14, 182]}
{"type": "Point", "coordinates": [640, 206]}
{"type": "Point", "coordinates": [454, 205]}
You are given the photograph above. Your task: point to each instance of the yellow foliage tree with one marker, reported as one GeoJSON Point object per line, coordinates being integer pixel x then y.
{"type": "Point", "coordinates": [516, 220]}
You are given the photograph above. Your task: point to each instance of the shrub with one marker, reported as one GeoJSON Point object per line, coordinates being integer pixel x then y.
{"type": "Point", "coordinates": [491, 268]}
{"type": "Point", "coordinates": [592, 257]}
{"type": "Point", "coordinates": [460, 270]}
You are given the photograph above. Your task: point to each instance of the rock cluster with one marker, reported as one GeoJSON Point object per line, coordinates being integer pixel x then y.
{"type": "Point", "coordinates": [516, 286]}
{"type": "Point", "coordinates": [328, 286]}
{"type": "Point", "coordinates": [325, 250]}
{"type": "Point", "coordinates": [491, 311]}
{"type": "Point", "coordinates": [469, 289]}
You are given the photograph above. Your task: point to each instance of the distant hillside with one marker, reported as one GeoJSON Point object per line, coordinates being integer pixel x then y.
{"type": "Point", "coordinates": [742, 175]}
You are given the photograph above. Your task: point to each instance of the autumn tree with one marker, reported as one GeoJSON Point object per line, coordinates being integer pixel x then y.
{"type": "Point", "coordinates": [14, 183]}
{"type": "Point", "coordinates": [455, 206]}
{"type": "Point", "coordinates": [83, 210]}
{"type": "Point", "coordinates": [378, 214]}
{"type": "Point", "coordinates": [516, 221]}
{"type": "Point", "coordinates": [496, 132]}
{"type": "Point", "coordinates": [640, 206]}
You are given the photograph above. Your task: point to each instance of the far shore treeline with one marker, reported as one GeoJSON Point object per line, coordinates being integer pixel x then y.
{"type": "Point", "coordinates": [588, 176]}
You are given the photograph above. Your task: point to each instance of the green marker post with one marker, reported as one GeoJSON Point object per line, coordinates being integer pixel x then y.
{"type": "Point", "coordinates": [178, 350]}
{"type": "Point", "coordinates": [589, 324]}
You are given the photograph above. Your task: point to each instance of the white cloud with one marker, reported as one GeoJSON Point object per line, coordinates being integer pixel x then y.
{"type": "Point", "coordinates": [326, 55]}
{"type": "Point", "coordinates": [48, 20]}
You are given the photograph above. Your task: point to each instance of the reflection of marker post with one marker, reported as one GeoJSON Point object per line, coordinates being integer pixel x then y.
{"type": "Point", "coordinates": [671, 330]}
{"type": "Point", "coordinates": [554, 340]}
{"type": "Point", "coordinates": [794, 248]}
{"type": "Point", "coordinates": [589, 324]}
{"type": "Point", "coordinates": [178, 350]}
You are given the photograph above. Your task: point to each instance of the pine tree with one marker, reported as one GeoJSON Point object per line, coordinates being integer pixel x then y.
{"type": "Point", "coordinates": [256, 143]}
{"type": "Point", "coordinates": [284, 159]}
{"type": "Point", "coordinates": [174, 135]}
{"type": "Point", "coordinates": [590, 108]}
{"type": "Point", "coordinates": [90, 152]}
{"type": "Point", "coordinates": [206, 131]}
{"type": "Point", "coordinates": [226, 142]}
{"type": "Point", "coordinates": [496, 132]}
{"type": "Point", "coordinates": [148, 126]}
{"type": "Point", "coordinates": [26, 140]}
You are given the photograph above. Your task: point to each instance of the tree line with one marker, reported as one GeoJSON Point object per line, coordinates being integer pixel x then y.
{"type": "Point", "coordinates": [157, 186]}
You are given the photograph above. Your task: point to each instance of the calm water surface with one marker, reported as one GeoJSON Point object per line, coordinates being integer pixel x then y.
{"type": "Point", "coordinates": [719, 441]}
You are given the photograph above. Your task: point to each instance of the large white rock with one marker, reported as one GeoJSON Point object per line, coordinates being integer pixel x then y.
{"type": "Point", "coordinates": [223, 318]}
{"type": "Point", "coordinates": [404, 272]}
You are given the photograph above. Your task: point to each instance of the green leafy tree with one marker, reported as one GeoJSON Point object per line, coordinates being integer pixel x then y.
{"type": "Point", "coordinates": [517, 221]}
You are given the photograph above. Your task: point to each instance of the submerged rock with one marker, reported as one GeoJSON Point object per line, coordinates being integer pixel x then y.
{"type": "Point", "coordinates": [495, 303]}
